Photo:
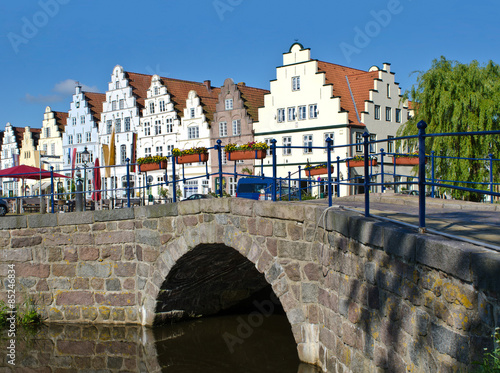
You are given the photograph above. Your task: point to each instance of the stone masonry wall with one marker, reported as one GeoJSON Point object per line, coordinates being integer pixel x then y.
{"type": "Point", "coordinates": [360, 295]}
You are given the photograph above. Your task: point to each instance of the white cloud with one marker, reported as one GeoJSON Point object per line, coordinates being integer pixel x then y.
{"type": "Point", "coordinates": [63, 90]}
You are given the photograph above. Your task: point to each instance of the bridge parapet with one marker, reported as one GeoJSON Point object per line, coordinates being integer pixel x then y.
{"type": "Point", "coordinates": [359, 293]}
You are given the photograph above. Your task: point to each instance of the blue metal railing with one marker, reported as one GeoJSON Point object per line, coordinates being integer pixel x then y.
{"type": "Point", "coordinates": [328, 182]}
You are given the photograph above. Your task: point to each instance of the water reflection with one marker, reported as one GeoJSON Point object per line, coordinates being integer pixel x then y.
{"type": "Point", "coordinates": [219, 344]}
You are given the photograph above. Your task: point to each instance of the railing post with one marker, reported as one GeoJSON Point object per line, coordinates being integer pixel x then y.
{"type": "Point", "coordinates": [421, 174]}
{"type": "Point", "coordinates": [289, 186]}
{"type": "Point", "coordinates": [300, 184]}
{"type": "Point", "coordinates": [329, 168]}
{"type": "Point", "coordinates": [219, 154]}
{"type": "Point", "coordinates": [273, 153]}
{"type": "Point", "coordinates": [281, 191]}
{"type": "Point", "coordinates": [433, 178]}
{"type": "Point", "coordinates": [338, 176]}
{"type": "Point", "coordinates": [382, 169]}
{"type": "Point", "coordinates": [491, 176]}
{"type": "Point", "coordinates": [52, 187]}
{"type": "Point", "coordinates": [367, 183]}
{"type": "Point", "coordinates": [174, 181]}
{"type": "Point", "coordinates": [128, 182]}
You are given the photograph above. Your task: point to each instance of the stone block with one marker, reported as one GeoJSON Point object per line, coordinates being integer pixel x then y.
{"type": "Point", "coordinates": [111, 252]}
{"type": "Point", "coordinates": [113, 215]}
{"type": "Point", "coordinates": [279, 210]}
{"type": "Point", "coordinates": [216, 205]}
{"type": "Point", "coordinates": [64, 270]}
{"type": "Point", "coordinates": [117, 300]}
{"type": "Point", "coordinates": [274, 272]}
{"type": "Point", "coordinates": [125, 269]}
{"type": "Point", "coordinates": [78, 348]}
{"type": "Point", "coordinates": [16, 255]}
{"type": "Point", "coordinates": [366, 230]}
{"type": "Point", "coordinates": [399, 241]}
{"type": "Point", "coordinates": [189, 207]}
{"type": "Point", "coordinates": [448, 342]}
{"type": "Point", "coordinates": [32, 270]}
{"type": "Point", "coordinates": [113, 284]}
{"type": "Point", "coordinates": [485, 267]}
{"type": "Point", "coordinates": [102, 270]}
{"type": "Point", "coordinates": [147, 237]}
{"type": "Point", "coordinates": [83, 238]}
{"type": "Point", "coordinates": [107, 238]}
{"type": "Point", "coordinates": [13, 222]}
{"type": "Point", "coordinates": [242, 206]}
{"type": "Point", "coordinates": [88, 253]}
{"type": "Point", "coordinates": [80, 283]}
{"type": "Point", "coordinates": [42, 220]}
{"type": "Point", "coordinates": [309, 292]}
{"type": "Point", "coordinates": [294, 250]}
{"type": "Point", "coordinates": [75, 218]}
{"type": "Point", "coordinates": [157, 211]}
{"type": "Point", "coordinates": [337, 221]}
{"type": "Point", "coordinates": [74, 298]}
{"type": "Point", "coordinates": [17, 242]}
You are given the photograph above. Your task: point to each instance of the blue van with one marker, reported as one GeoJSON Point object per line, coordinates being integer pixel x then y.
{"type": "Point", "coordinates": [251, 187]}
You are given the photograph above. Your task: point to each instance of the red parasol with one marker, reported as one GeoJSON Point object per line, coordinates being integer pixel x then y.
{"type": "Point", "coordinates": [27, 172]}
{"type": "Point", "coordinates": [96, 196]}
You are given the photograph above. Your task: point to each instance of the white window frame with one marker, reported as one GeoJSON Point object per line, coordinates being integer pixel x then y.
{"type": "Point", "coordinates": [373, 147]}
{"type": "Point", "coordinates": [78, 138]}
{"type": "Point", "coordinates": [88, 137]}
{"type": "Point", "coordinates": [127, 124]}
{"type": "Point", "coordinates": [147, 129]}
{"type": "Point", "coordinates": [330, 135]}
{"type": "Point", "coordinates": [358, 139]}
{"type": "Point", "coordinates": [194, 132]}
{"type": "Point", "coordinates": [388, 114]}
{"type": "Point", "coordinates": [302, 112]}
{"type": "Point", "coordinates": [398, 115]}
{"type": "Point", "coordinates": [236, 127]}
{"type": "Point", "coordinates": [192, 113]}
{"type": "Point", "coordinates": [118, 125]}
{"type": "Point", "coordinates": [287, 145]}
{"type": "Point", "coordinates": [390, 144]}
{"type": "Point", "coordinates": [292, 114]}
{"type": "Point", "coordinates": [376, 112]}
{"type": "Point", "coordinates": [313, 111]}
{"type": "Point", "coordinates": [295, 83]}
{"type": "Point", "coordinates": [222, 129]}
{"type": "Point", "coordinates": [151, 107]}
{"type": "Point", "coordinates": [307, 140]}
{"type": "Point", "coordinates": [281, 117]}
{"type": "Point", "coordinates": [229, 105]}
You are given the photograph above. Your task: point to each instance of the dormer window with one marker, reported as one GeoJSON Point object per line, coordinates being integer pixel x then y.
{"type": "Point", "coordinates": [192, 112]}
{"type": "Point", "coordinates": [296, 83]}
{"type": "Point", "coordinates": [229, 104]}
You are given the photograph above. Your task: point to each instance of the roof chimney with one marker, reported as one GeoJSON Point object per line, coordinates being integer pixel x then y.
{"type": "Point", "coordinates": [208, 84]}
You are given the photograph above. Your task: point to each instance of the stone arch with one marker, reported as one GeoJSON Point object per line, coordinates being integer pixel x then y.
{"type": "Point", "coordinates": [193, 234]}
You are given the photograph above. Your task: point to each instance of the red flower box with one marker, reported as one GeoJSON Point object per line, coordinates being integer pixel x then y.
{"type": "Point", "coordinates": [371, 162]}
{"type": "Point", "coordinates": [318, 171]}
{"type": "Point", "coordinates": [192, 158]}
{"type": "Point", "coordinates": [152, 166]}
{"type": "Point", "coordinates": [409, 161]}
{"type": "Point", "coordinates": [238, 155]}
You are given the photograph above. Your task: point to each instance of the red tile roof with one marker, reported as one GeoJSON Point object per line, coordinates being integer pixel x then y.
{"type": "Point", "coordinates": [360, 82]}
{"type": "Point", "coordinates": [18, 134]}
{"type": "Point", "coordinates": [253, 98]}
{"type": "Point", "coordinates": [35, 135]}
{"type": "Point", "coordinates": [140, 84]}
{"type": "Point", "coordinates": [95, 101]}
{"type": "Point", "coordinates": [61, 119]}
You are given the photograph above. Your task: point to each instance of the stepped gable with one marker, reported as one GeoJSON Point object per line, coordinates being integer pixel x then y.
{"type": "Point", "coordinates": [95, 102]}
{"type": "Point", "coordinates": [361, 82]}
{"type": "Point", "coordinates": [61, 120]}
{"type": "Point", "coordinates": [253, 98]}
{"type": "Point", "coordinates": [140, 84]}
{"type": "Point", "coordinates": [179, 90]}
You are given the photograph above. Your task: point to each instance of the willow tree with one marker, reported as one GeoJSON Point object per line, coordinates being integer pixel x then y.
{"type": "Point", "coordinates": [456, 97]}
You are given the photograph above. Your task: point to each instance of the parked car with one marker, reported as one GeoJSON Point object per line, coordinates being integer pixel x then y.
{"type": "Point", "coordinates": [197, 196]}
{"type": "Point", "coordinates": [4, 207]}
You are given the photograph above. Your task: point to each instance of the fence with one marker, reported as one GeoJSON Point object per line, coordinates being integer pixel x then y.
{"type": "Point", "coordinates": [363, 180]}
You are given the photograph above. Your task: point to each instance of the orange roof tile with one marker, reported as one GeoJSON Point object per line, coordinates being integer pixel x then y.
{"type": "Point", "coordinates": [61, 119]}
{"type": "Point", "coordinates": [140, 84]}
{"type": "Point", "coordinates": [18, 134]}
{"type": "Point", "coordinates": [35, 135]}
{"type": "Point", "coordinates": [360, 82]}
{"type": "Point", "coordinates": [95, 101]}
{"type": "Point", "coordinates": [253, 98]}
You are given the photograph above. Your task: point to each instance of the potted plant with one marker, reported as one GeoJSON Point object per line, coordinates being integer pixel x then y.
{"type": "Point", "coordinates": [409, 159]}
{"type": "Point", "coordinates": [251, 150]}
{"type": "Point", "coordinates": [190, 155]}
{"type": "Point", "coordinates": [152, 163]}
{"type": "Point", "coordinates": [319, 169]}
{"type": "Point", "coordinates": [359, 161]}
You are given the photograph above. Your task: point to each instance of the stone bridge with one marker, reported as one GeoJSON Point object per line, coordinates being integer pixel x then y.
{"type": "Point", "coordinates": [360, 295]}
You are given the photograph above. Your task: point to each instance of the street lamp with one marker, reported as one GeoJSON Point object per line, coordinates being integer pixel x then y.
{"type": "Point", "coordinates": [85, 157]}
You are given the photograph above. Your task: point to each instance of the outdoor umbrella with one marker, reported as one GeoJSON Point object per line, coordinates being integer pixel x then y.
{"type": "Point", "coordinates": [27, 172]}
{"type": "Point", "coordinates": [96, 196]}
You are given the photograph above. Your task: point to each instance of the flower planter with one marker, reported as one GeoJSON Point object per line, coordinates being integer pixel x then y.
{"type": "Point", "coordinates": [318, 171]}
{"type": "Point", "coordinates": [409, 161]}
{"type": "Point", "coordinates": [238, 155]}
{"type": "Point", "coordinates": [371, 162]}
{"type": "Point", "coordinates": [152, 166]}
{"type": "Point", "coordinates": [192, 158]}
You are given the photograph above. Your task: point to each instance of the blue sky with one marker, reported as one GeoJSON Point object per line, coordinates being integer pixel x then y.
{"type": "Point", "coordinates": [47, 44]}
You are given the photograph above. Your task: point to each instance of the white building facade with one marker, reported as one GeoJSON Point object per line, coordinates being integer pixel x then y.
{"type": "Point", "coordinates": [10, 157]}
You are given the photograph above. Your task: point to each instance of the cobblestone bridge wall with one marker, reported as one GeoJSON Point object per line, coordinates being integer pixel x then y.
{"type": "Point", "coordinates": [360, 295]}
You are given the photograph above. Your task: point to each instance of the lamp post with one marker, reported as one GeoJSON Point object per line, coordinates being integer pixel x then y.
{"type": "Point", "coordinates": [85, 158]}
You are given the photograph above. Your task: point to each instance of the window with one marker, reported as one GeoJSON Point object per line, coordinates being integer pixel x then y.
{"type": "Point", "coordinates": [287, 143]}
{"type": "Point", "coordinates": [118, 125]}
{"type": "Point", "coordinates": [147, 152]}
{"type": "Point", "coordinates": [159, 151]}
{"type": "Point", "coordinates": [390, 144]}
{"type": "Point", "coordinates": [193, 132]}
{"type": "Point", "coordinates": [147, 129]}
{"type": "Point", "coordinates": [169, 149]}
{"type": "Point", "coordinates": [170, 127]}
{"type": "Point", "coordinates": [117, 84]}
{"type": "Point", "coordinates": [269, 143]}
{"type": "Point", "coordinates": [109, 125]}
{"type": "Point", "coordinates": [88, 137]}
{"type": "Point", "coordinates": [78, 138]}
{"type": "Point", "coordinates": [302, 112]}
{"type": "Point", "coordinates": [388, 114]}
{"type": "Point", "coordinates": [377, 112]}
{"type": "Point", "coordinates": [113, 105]}
{"type": "Point", "coordinates": [127, 124]}
{"type": "Point", "coordinates": [82, 119]}
{"type": "Point", "coordinates": [192, 112]}
{"type": "Point", "coordinates": [53, 149]}
{"type": "Point", "coordinates": [296, 83]}
{"type": "Point", "coordinates": [236, 127]}
{"type": "Point", "coordinates": [122, 104]}
{"type": "Point", "coordinates": [70, 139]}
{"type": "Point", "coordinates": [162, 106]}
{"type": "Point", "coordinates": [291, 114]}
{"type": "Point", "coordinates": [373, 147]}
{"type": "Point", "coordinates": [157, 127]}
{"type": "Point", "coordinates": [359, 140]}
{"type": "Point", "coordinates": [398, 115]}
{"type": "Point", "coordinates": [229, 104]}
{"type": "Point", "coordinates": [222, 129]}
{"type": "Point", "coordinates": [224, 156]}
{"type": "Point", "coordinates": [151, 107]}
{"type": "Point", "coordinates": [308, 143]}
{"type": "Point", "coordinates": [123, 154]}
{"type": "Point", "coordinates": [73, 121]}
{"type": "Point", "coordinates": [313, 111]}
{"type": "Point", "coordinates": [45, 148]}
{"type": "Point", "coordinates": [156, 91]}
{"type": "Point", "coordinates": [47, 131]}
{"type": "Point", "coordinates": [281, 115]}
{"type": "Point", "coordinates": [232, 186]}
{"type": "Point", "coordinates": [330, 135]}
{"type": "Point", "coordinates": [388, 91]}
